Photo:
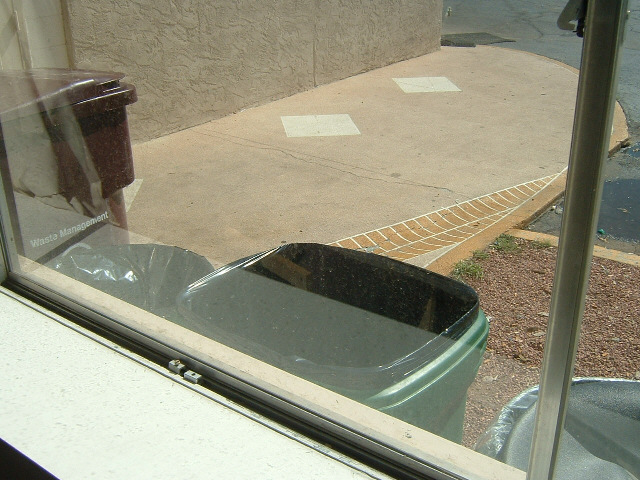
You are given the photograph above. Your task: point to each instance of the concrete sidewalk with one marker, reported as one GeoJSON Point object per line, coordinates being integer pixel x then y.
{"type": "Point", "coordinates": [465, 142]}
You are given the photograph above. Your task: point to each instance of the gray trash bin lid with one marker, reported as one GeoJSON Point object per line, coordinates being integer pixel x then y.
{"type": "Point", "coordinates": [601, 434]}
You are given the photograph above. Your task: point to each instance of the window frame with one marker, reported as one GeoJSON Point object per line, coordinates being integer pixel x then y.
{"type": "Point", "coordinates": [369, 436]}
{"type": "Point", "coordinates": [420, 453]}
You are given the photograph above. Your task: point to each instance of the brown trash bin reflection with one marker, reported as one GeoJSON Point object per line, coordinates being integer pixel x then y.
{"type": "Point", "coordinates": [65, 140]}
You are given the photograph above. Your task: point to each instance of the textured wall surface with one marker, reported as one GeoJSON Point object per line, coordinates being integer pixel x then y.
{"type": "Point", "coordinates": [196, 60]}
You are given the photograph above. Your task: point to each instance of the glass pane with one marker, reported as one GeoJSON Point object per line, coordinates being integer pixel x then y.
{"type": "Point", "coordinates": [514, 275]}
{"type": "Point", "coordinates": [311, 188]}
{"type": "Point", "coordinates": [604, 407]}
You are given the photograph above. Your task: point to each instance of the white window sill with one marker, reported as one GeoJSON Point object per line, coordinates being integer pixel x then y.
{"type": "Point", "coordinates": [82, 410]}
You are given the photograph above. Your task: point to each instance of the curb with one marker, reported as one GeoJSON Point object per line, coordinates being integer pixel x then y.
{"type": "Point", "coordinates": [598, 251]}
{"type": "Point", "coordinates": [522, 216]}
{"type": "Point", "coordinates": [526, 213]}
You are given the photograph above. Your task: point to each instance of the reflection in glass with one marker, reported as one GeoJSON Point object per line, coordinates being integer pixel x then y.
{"type": "Point", "coordinates": [66, 156]}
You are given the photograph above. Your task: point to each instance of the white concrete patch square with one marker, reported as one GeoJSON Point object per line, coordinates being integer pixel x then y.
{"type": "Point", "coordinates": [426, 84]}
{"type": "Point", "coordinates": [319, 125]}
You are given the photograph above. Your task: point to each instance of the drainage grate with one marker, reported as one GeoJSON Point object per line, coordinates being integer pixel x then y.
{"type": "Point", "coordinates": [471, 39]}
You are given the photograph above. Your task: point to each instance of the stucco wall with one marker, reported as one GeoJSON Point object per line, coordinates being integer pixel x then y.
{"type": "Point", "coordinates": [194, 61]}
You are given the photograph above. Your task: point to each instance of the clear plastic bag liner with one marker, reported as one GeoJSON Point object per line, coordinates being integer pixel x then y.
{"type": "Point", "coordinates": [339, 317]}
{"type": "Point", "coordinates": [600, 438]}
{"type": "Point", "coordinates": [148, 276]}
{"type": "Point", "coordinates": [492, 441]}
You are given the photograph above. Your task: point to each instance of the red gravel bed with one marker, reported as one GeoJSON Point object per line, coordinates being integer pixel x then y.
{"type": "Point", "coordinates": [515, 292]}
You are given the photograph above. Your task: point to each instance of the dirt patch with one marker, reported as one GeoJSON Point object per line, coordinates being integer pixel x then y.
{"type": "Point", "coordinates": [515, 292]}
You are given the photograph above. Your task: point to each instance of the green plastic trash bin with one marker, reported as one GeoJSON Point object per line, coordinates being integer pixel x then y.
{"type": "Point", "coordinates": [396, 337]}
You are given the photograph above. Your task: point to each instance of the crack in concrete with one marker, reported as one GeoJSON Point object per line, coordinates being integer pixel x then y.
{"type": "Point", "coordinates": [320, 162]}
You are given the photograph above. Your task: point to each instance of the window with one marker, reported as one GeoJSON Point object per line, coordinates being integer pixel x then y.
{"type": "Point", "coordinates": [253, 199]}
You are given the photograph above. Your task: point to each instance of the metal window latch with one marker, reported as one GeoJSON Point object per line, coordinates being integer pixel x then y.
{"type": "Point", "coordinates": [191, 376]}
{"type": "Point", "coordinates": [176, 366]}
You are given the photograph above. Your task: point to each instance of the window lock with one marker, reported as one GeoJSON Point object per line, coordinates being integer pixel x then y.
{"type": "Point", "coordinates": [192, 376]}
{"type": "Point", "coordinates": [176, 366]}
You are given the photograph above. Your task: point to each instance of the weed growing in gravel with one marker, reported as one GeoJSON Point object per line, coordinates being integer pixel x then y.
{"type": "Point", "coordinates": [480, 255]}
{"type": "Point", "coordinates": [541, 244]}
{"type": "Point", "coordinates": [467, 269]}
{"type": "Point", "coordinates": [505, 243]}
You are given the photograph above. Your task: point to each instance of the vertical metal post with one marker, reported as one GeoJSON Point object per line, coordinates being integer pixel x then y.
{"type": "Point", "coordinates": [7, 245]}
{"type": "Point", "coordinates": [589, 147]}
